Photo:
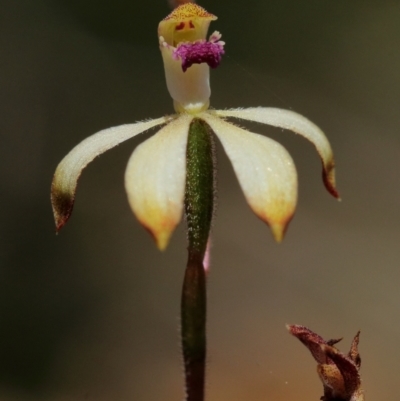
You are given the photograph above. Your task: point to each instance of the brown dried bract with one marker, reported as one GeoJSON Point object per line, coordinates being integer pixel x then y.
{"type": "Point", "coordinates": [339, 373]}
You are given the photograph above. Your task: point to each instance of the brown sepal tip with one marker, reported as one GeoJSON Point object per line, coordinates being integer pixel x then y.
{"type": "Point", "coordinates": [328, 176]}
{"type": "Point", "coordinates": [62, 204]}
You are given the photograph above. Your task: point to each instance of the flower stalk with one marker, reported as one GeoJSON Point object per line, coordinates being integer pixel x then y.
{"type": "Point", "coordinates": [199, 200]}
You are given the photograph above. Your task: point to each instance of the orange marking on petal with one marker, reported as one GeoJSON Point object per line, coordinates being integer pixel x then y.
{"type": "Point", "coordinates": [161, 231]}
{"type": "Point", "coordinates": [278, 227]}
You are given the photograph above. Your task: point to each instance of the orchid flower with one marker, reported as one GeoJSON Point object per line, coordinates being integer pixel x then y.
{"type": "Point", "coordinates": [173, 171]}
{"type": "Point", "coordinates": [156, 171]}
{"type": "Point", "coordinates": [338, 372]}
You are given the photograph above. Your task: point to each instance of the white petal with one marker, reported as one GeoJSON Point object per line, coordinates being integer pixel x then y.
{"type": "Point", "coordinates": [297, 123]}
{"type": "Point", "coordinates": [265, 172]}
{"type": "Point", "coordinates": [66, 176]}
{"type": "Point", "coordinates": [155, 179]}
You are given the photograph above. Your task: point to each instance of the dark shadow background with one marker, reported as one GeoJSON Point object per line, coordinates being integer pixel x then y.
{"type": "Point", "coordinates": [92, 314]}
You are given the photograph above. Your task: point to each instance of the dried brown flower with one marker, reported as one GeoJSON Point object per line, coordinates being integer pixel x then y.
{"type": "Point", "coordinates": [338, 372]}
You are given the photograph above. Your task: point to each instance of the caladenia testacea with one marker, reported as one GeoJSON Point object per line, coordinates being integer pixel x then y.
{"type": "Point", "coordinates": [173, 172]}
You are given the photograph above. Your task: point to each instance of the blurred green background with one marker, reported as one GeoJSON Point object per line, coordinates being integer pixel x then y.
{"type": "Point", "coordinates": [92, 314]}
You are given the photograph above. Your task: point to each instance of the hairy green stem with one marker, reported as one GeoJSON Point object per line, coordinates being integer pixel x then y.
{"type": "Point", "coordinates": [199, 197]}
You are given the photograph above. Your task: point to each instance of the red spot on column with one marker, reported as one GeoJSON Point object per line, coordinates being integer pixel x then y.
{"type": "Point", "coordinates": [180, 26]}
